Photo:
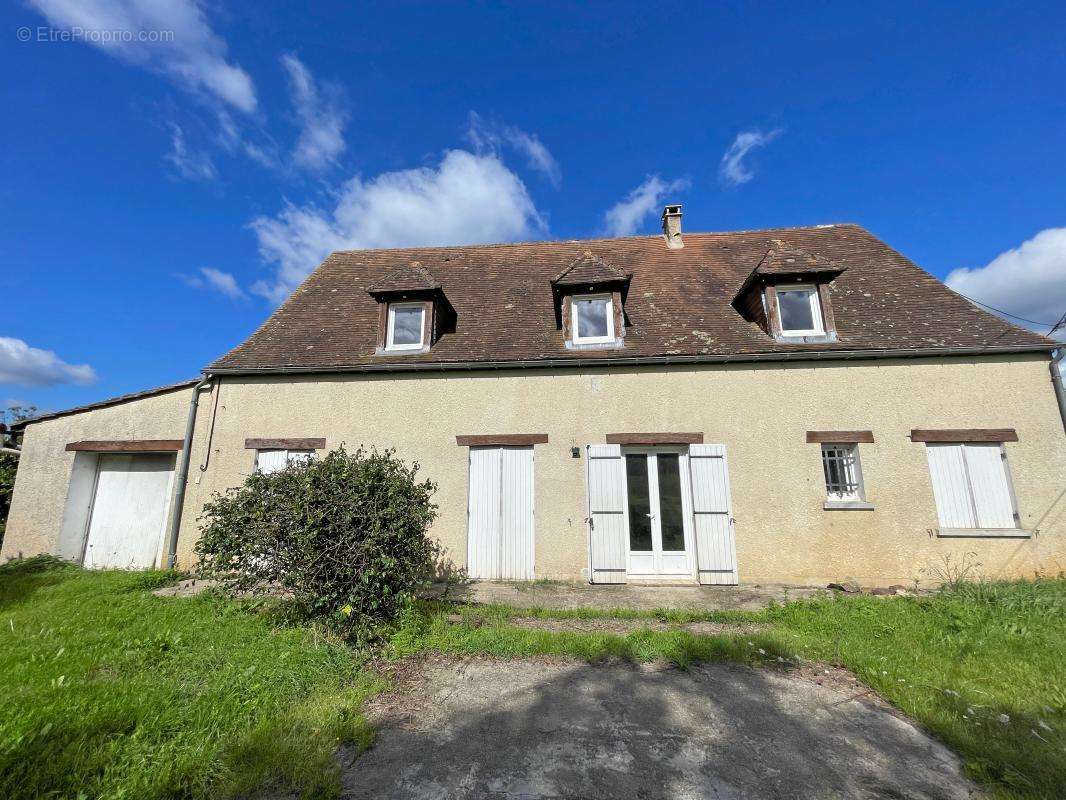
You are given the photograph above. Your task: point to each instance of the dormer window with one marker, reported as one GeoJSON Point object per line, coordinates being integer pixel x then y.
{"type": "Point", "coordinates": [799, 310]}
{"type": "Point", "coordinates": [789, 295]}
{"type": "Point", "coordinates": [407, 326]}
{"type": "Point", "coordinates": [593, 318]}
{"type": "Point", "coordinates": [413, 312]}
{"type": "Point", "coordinates": [590, 296]}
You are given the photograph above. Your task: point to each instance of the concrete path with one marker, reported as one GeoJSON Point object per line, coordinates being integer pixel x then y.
{"type": "Point", "coordinates": [551, 729]}
{"type": "Point", "coordinates": [747, 597]}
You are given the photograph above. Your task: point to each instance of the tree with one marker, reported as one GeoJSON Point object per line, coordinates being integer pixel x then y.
{"type": "Point", "coordinates": [8, 462]}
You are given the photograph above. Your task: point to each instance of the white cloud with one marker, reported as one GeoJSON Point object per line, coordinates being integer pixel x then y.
{"type": "Point", "coordinates": [232, 140]}
{"type": "Point", "coordinates": [732, 170]}
{"type": "Point", "coordinates": [625, 217]}
{"type": "Point", "coordinates": [30, 366]}
{"type": "Point", "coordinates": [215, 279]}
{"type": "Point", "coordinates": [1028, 280]}
{"type": "Point", "coordinates": [184, 47]}
{"type": "Point", "coordinates": [467, 199]}
{"type": "Point", "coordinates": [190, 164]}
{"type": "Point", "coordinates": [320, 110]}
{"type": "Point", "coordinates": [489, 136]}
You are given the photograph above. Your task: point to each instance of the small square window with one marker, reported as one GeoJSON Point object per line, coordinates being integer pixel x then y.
{"type": "Point", "coordinates": [843, 473]}
{"type": "Point", "coordinates": [593, 319]}
{"type": "Point", "coordinates": [407, 325]}
{"type": "Point", "coordinates": [799, 311]}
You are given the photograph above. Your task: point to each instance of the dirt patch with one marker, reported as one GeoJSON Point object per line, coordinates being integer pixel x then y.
{"type": "Point", "coordinates": [623, 627]}
{"type": "Point", "coordinates": [552, 728]}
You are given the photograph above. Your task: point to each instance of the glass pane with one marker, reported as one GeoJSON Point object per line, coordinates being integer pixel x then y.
{"type": "Point", "coordinates": [407, 325]}
{"type": "Point", "coordinates": [639, 502]}
{"type": "Point", "coordinates": [841, 476]}
{"type": "Point", "coordinates": [591, 318]}
{"type": "Point", "coordinates": [670, 516]}
{"type": "Point", "coordinates": [795, 308]}
{"type": "Point", "coordinates": [833, 474]}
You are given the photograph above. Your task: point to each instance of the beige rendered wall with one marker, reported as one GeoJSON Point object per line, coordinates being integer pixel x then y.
{"type": "Point", "coordinates": [760, 412]}
{"type": "Point", "coordinates": [45, 467]}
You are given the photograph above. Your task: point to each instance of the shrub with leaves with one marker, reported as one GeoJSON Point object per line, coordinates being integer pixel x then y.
{"type": "Point", "coordinates": [345, 535]}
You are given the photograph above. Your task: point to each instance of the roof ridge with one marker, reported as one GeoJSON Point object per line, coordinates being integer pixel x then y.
{"type": "Point", "coordinates": [527, 243]}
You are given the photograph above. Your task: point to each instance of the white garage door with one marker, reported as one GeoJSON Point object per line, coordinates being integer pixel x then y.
{"type": "Point", "coordinates": [500, 535]}
{"type": "Point", "coordinates": [129, 510]}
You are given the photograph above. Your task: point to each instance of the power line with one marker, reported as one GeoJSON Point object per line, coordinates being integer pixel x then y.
{"type": "Point", "coordinates": [1060, 324]}
{"type": "Point", "coordinates": [1054, 326]}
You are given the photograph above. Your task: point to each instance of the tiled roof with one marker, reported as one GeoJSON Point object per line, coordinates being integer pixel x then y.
{"type": "Point", "coordinates": [678, 303]}
{"type": "Point", "coordinates": [784, 259]}
{"type": "Point", "coordinates": [112, 401]}
{"type": "Point", "coordinates": [588, 268]}
{"type": "Point", "coordinates": [411, 277]}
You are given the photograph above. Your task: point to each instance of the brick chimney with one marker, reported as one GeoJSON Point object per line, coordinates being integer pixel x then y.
{"type": "Point", "coordinates": [672, 227]}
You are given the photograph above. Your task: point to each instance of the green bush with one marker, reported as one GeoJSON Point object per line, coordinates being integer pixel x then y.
{"type": "Point", "coordinates": [345, 535]}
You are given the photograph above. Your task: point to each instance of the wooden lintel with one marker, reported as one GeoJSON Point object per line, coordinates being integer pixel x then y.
{"type": "Point", "coordinates": [839, 437]}
{"type": "Point", "coordinates": [285, 444]}
{"type": "Point", "coordinates": [501, 439]}
{"type": "Point", "coordinates": [654, 438]}
{"type": "Point", "coordinates": [964, 435]}
{"type": "Point", "coordinates": [126, 446]}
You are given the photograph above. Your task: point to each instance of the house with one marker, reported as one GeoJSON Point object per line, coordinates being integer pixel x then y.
{"type": "Point", "coordinates": [796, 405]}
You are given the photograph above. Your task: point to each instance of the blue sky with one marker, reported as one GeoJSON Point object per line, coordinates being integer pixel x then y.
{"type": "Point", "coordinates": [160, 197]}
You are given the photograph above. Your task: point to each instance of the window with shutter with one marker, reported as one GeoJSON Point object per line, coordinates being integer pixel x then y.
{"type": "Point", "coordinates": [971, 486]}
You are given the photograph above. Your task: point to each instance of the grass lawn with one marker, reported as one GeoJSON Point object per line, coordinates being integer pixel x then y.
{"type": "Point", "coordinates": [111, 692]}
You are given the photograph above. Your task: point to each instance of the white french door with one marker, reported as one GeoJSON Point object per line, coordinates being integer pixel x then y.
{"type": "Point", "coordinates": [658, 513]}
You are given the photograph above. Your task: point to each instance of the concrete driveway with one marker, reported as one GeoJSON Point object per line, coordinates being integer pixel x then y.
{"type": "Point", "coordinates": [552, 729]}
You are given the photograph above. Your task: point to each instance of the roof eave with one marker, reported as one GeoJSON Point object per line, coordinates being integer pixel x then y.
{"type": "Point", "coordinates": [616, 361]}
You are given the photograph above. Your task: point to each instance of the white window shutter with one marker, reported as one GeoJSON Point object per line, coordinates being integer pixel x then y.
{"type": "Point", "coordinates": [483, 536]}
{"type": "Point", "coordinates": [516, 514]}
{"type": "Point", "coordinates": [716, 554]}
{"type": "Point", "coordinates": [267, 461]}
{"type": "Point", "coordinates": [607, 518]}
{"type": "Point", "coordinates": [947, 471]}
{"type": "Point", "coordinates": [991, 492]}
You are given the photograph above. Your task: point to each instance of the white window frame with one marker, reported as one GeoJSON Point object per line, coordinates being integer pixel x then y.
{"type": "Point", "coordinates": [852, 471]}
{"type": "Point", "coordinates": [291, 456]}
{"type": "Point", "coordinates": [816, 310]}
{"type": "Point", "coordinates": [389, 343]}
{"type": "Point", "coordinates": [575, 332]}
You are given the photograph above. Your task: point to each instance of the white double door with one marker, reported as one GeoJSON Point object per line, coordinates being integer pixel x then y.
{"type": "Point", "coordinates": [500, 528]}
{"type": "Point", "coordinates": [658, 517]}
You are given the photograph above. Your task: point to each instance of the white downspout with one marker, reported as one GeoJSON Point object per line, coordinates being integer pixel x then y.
{"type": "Point", "coordinates": [171, 544]}
{"type": "Point", "coordinates": [1056, 381]}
